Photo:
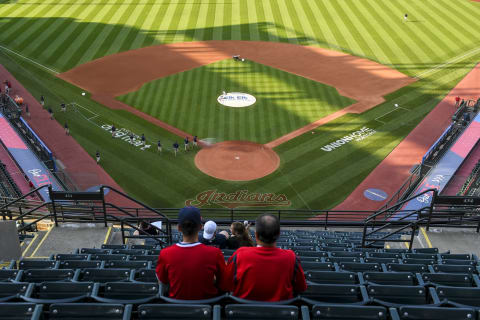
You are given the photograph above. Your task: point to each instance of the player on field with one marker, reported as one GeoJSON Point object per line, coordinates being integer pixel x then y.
{"type": "Point", "coordinates": [195, 141]}
{"type": "Point", "coordinates": [97, 155]}
{"type": "Point", "coordinates": [113, 130]}
{"type": "Point", "coordinates": [159, 146]}
{"type": "Point", "coordinates": [186, 142]}
{"type": "Point", "coordinates": [175, 147]}
{"type": "Point", "coordinates": [143, 139]}
{"type": "Point", "coordinates": [131, 137]}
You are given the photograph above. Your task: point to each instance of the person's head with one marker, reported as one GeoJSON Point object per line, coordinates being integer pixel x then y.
{"type": "Point", "coordinates": [267, 229]}
{"type": "Point", "coordinates": [209, 230]}
{"type": "Point", "coordinates": [189, 221]}
{"type": "Point", "coordinates": [237, 228]}
{"type": "Point", "coordinates": [144, 225]}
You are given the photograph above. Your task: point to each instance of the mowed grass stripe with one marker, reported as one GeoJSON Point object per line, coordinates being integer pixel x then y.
{"type": "Point", "coordinates": [165, 19]}
{"type": "Point", "coordinates": [227, 27]}
{"type": "Point", "coordinates": [184, 21]}
{"type": "Point", "coordinates": [335, 36]}
{"type": "Point", "coordinates": [19, 19]}
{"type": "Point", "coordinates": [241, 17]}
{"type": "Point", "coordinates": [276, 31]}
{"type": "Point", "coordinates": [175, 19]}
{"type": "Point", "coordinates": [295, 31]}
{"type": "Point", "coordinates": [308, 22]}
{"type": "Point", "coordinates": [468, 10]}
{"type": "Point", "coordinates": [262, 18]}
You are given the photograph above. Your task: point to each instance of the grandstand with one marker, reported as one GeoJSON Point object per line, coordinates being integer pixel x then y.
{"type": "Point", "coordinates": [359, 128]}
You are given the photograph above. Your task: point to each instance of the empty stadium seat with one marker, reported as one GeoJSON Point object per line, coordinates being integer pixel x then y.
{"type": "Point", "coordinates": [342, 259]}
{"type": "Point", "coordinates": [153, 252]}
{"type": "Point", "coordinates": [458, 296]}
{"type": "Point", "coordinates": [143, 246]}
{"type": "Point", "coordinates": [334, 293]}
{"type": "Point", "coordinates": [62, 257]}
{"type": "Point", "coordinates": [392, 278]}
{"type": "Point", "coordinates": [80, 264]}
{"type": "Point", "coordinates": [52, 292]}
{"type": "Point", "coordinates": [392, 255]}
{"type": "Point", "coordinates": [426, 250]}
{"type": "Point", "coordinates": [20, 311]}
{"type": "Point", "coordinates": [45, 275]}
{"type": "Point", "coordinates": [399, 267]}
{"type": "Point", "coordinates": [310, 259]}
{"type": "Point", "coordinates": [316, 254]}
{"type": "Point", "coordinates": [449, 268]}
{"type": "Point", "coordinates": [128, 292]}
{"type": "Point", "coordinates": [109, 257]}
{"type": "Point", "coordinates": [9, 275]}
{"type": "Point", "coordinates": [129, 251]}
{"type": "Point", "coordinates": [12, 291]}
{"type": "Point", "coordinates": [460, 262]}
{"type": "Point", "coordinates": [114, 246]}
{"type": "Point", "coordinates": [360, 267]}
{"type": "Point", "coordinates": [463, 256]}
{"type": "Point", "coordinates": [261, 311]}
{"type": "Point", "coordinates": [451, 279]}
{"type": "Point", "coordinates": [325, 266]}
{"type": "Point", "coordinates": [127, 264]}
{"type": "Point", "coordinates": [144, 275]}
{"type": "Point", "coordinates": [154, 258]}
{"type": "Point", "coordinates": [325, 277]}
{"type": "Point", "coordinates": [419, 261]}
{"type": "Point", "coordinates": [390, 295]}
{"type": "Point", "coordinates": [339, 312]}
{"type": "Point", "coordinates": [36, 264]}
{"type": "Point", "coordinates": [431, 313]}
{"type": "Point", "coordinates": [380, 260]}
{"type": "Point", "coordinates": [347, 254]}
{"type": "Point", "coordinates": [91, 311]}
{"type": "Point", "coordinates": [104, 275]}
{"type": "Point", "coordinates": [427, 256]}
{"type": "Point", "coordinates": [95, 251]}
{"type": "Point", "coordinates": [178, 311]}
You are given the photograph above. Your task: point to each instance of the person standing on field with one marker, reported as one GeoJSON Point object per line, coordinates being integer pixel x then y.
{"type": "Point", "coordinates": [175, 147]}
{"type": "Point", "coordinates": [159, 146]}
{"type": "Point", "coordinates": [405, 17]}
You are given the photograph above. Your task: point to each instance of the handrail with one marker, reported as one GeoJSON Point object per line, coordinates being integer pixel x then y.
{"type": "Point", "coordinates": [124, 221]}
{"type": "Point", "coordinates": [23, 197]}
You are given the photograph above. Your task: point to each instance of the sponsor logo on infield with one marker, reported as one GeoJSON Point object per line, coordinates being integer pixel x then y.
{"type": "Point", "coordinates": [357, 136]}
{"type": "Point", "coordinates": [241, 198]}
{"type": "Point", "coordinates": [236, 99]}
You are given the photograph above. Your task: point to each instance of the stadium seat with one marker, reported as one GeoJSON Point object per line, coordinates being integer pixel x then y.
{"type": "Point", "coordinates": [104, 275]}
{"type": "Point", "coordinates": [80, 264]}
{"type": "Point", "coordinates": [154, 258]}
{"type": "Point", "coordinates": [392, 255]}
{"type": "Point", "coordinates": [129, 251]}
{"type": "Point", "coordinates": [62, 257]}
{"type": "Point", "coordinates": [360, 267]}
{"type": "Point", "coordinates": [396, 250]}
{"type": "Point", "coordinates": [391, 296]}
{"type": "Point", "coordinates": [56, 292]}
{"type": "Point", "coordinates": [310, 259]}
{"type": "Point", "coordinates": [143, 246]}
{"type": "Point", "coordinates": [449, 268]}
{"type": "Point", "coordinates": [399, 267]}
{"type": "Point", "coordinates": [380, 260]}
{"type": "Point", "coordinates": [329, 277]}
{"type": "Point", "coordinates": [431, 313]}
{"type": "Point", "coordinates": [426, 250]}
{"type": "Point", "coordinates": [13, 291]}
{"type": "Point", "coordinates": [447, 256]}
{"type": "Point", "coordinates": [451, 279]}
{"type": "Point", "coordinates": [458, 296]}
{"type": "Point", "coordinates": [460, 262]}
{"type": "Point", "coordinates": [427, 256]}
{"type": "Point", "coordinates": [109, 257]}
{"type": "Point", "coordinates": [45, 275]}
{"type": "Point", "coordinates": [36, 264]}
{"type": "Point", "coordinates": [329, 248]}
{"type": "Point", "coordinates": [316, 254]}
{"type": "Point", "coordinates": [94, 251]}
{"type": "Point", "coordinates": [392, 278]}
{"type": "Point", "coordinates": [10, 275]}
{"type": "Point", "coordinates": [342, 259]}
{"type": "Point", "coordinates": [334, 293]}
{"type": "Point", "coordinates": [127, 264]}
{"type": "Point", "coordinates": [114, 246]}
{"type": "Point", "coordinates": [348, 254]}
{"type": "Point", "coordinates": [348, 312]}
{"type": "Point", "coordinates": [144, 275]}
{"type": "Point", "coordinates": [153, 252]}
{"type": "Point", "coordinates": [320, 266]}
{"type": "Point", "coordinates": [178, 311]}
{"type": "Point", "coordinates": [91, 311]}
{"type": "Point", "coordinates": [128, 292]}
{"type": "Point", "coordinates": [419, 261]}
{"type": "Point", "coordinates": [261, 311]}
{"type": "Point", "coordinates": [20, 311]}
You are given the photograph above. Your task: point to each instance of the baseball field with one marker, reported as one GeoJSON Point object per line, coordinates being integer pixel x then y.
{"type": "Point", "coordinates": [157, 68]}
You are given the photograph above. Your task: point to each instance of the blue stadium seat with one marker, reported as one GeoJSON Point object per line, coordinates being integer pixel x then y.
{"type": "Point", "coordinates": [319, 266]}
{"type": "Point", "coordinates": [128, 292]}
{"type": "Point", "coordinates": [94, 251]}
{"type": "Point", "coordinates": [12, 291]}
{"type": "Point", "coordinates": [153, 252]}
{"type": "Point", "coordinates": [80, 264]}
{"type": "Point", "coordinates": [340, 260]}
{"type": "Point", "coordinates": [426, 250]}
{"type": "Point", "coordinates": [62, 257]}
{"type": "Point", "coordinates": [316, 254]}
{"type": "Point", "coordinates": [452, 268]}
{"type": "Point", "coordinates": [261, 311]}
{"type": "Point", "coordinates": [419, 261]}
{"type": "Point", "coordinates": [391, 296]}
{"type": "Point", "coordinates": [45, 275]}
{"type": "Point", "coordinates": [114, 246]}
{"type": "Point", "coordinates": [10, 275]}
{"type": "Point", "coordinates": [109, 257]}
{"type": "Point", "coordinates": [460, 262]}
{"type": "Point", "coordinates": [428, 256]}
{"type": "Point", "coordinates": [329, 277]}
{"type": "Point", "coordinates": [457, 296]}
{"type": "Point", "coordinates": [347, 254]}
{"type": "Point", "coordinates": [347, 312]}
{"type": "Point", "coordinates": [178, 311]}
{"type": "Point", "coordinates": [104, 275]}
{"type": "Point", "coordinates": [451, 279]}
{"type": "Point", "coordinates": [392, 278]}
{"type": "Point", "coordinates": [144, 275]}
{"type": "Point", "coordinates": [20, 311]}
{"type": "Point", "coordinates": [127, 264]}
{"type": "Point", "coordinates": [462, 256]}
{"type": "Point", "coordinates": [400, 267]}
{"type": "Point", "coordinates": [334, 293]}
{"type": "Point", "coordinates": [431, 313]}
{"type": "Point", "coordinates": [36, 264]}
{"type": "Point", "coordinates": [392, 255]}
{"type": "Point", "coordinates": [61, 292]}
{"type": "Point", "coordinates": [380, 260]}
{"type": "Point", "coordinates": [129, 251]}
{"type": "Point", "coordinates": [143, 246]}
{"type": "Point", "coordinates": [310, 259]}
{"type": "Point", "coordinates": [91, 311]}
{"type": "Point", "coordinates": [360, 267]}
{"type": "Point", "coordinates": [154, 258]}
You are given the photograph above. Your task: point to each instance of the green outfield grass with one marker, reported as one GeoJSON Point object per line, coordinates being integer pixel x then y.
{"type": "Point", "coordinates": [439, 45]}
{"type": "Point", "coordinates": [285, 102]}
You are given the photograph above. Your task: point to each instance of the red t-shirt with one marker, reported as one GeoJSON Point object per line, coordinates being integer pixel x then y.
{"type": "Point", "coordinates": [193, 271]}
{"type": "Point", "coordinates": [265, 274]}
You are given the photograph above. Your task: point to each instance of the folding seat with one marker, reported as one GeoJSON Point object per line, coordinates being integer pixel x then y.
{"type": "Point", "coordinates": [346, 254]}
{"type": "Point", "coordinates": [114, 246]}
{"type": "Point", "coordinates": [334, 293]}
{"type": "Point", "coordinates": [304, 248]}
{"type": "Point", "coordinates": [364, 250]}
{"type": "Point", "coordinates": [129, 251]}
{"type": "Point", "coordinates": [91, 311]}
{"type": "Point", "coordinates": [44, 275]}
{"type": "Point", "coordinates": [320, 266]}
{"type": "Point", "coordinates": [310, 259]}
{"type": "Point", "coordinates": [342, 259]}
{"type": "Point", "coordinates": [451, 279]}
{"type": "Point", "coordinates": [305, 241]}
{"type": "Point", "coordinates": [428, 256]}
{"type": "Point", "coordinates": [36, 264]}
{"type": "Point", "coordinates": [419, 261]}
{"type": "Point", "coordinates": [395, 250]}
{"type": "Point", "coordinates": [380, 260]}
{"type": "Point", "coordinates": [330, 248]}
{"type": "Point", "coordinates": [128, 292]}
{"type": "Point", "coordinates": [431, 313]}
{"type": "Point", "coordinates": [337, 245]}
{"type": "Point", "coordinates": [463, 256]}
{"type": "Point", "coordinates": [143, 246]}
{"type": "Point", "coordinates": [144, 275]}
{"type": "Point", "coordinates": [178, 311]}
{"type": "Point", "coordinates": [392, 255]}
{"type": "Point", "coordinates": [104, 275]}
{"type": "Point", "coordinates": [52, 292]}
{"type": "Point", "coordinates": [459, 262]}
{"type": "Point", "coordinates": [390, 295]}
{"type": "Point", "coordinates": [328, 277]}
{"type": "Point", "coordinates": [127, 264]}
{"type": "Point", "coordinates": [316, 254]}
{"type": "Point", "coordinates": [21, 311]}
{"type": "Point", "coordinates": [347, 312]}
{"type": "Point", "coordinates": [153, 252]}
{"type": "Point", "coordinates": [95, 251]}
{"type": "Point", "coordinates": [12, 291]}
{"type": "Point", "coordinates": [261, 311]}
{"type": "Point", "coordinates": [392, 278]}
{"type": "Point", "coordinates": [62, 257]}
{"type": "Point", "coordinates": [426, 250]}
{"type": "Point", "coordinates": [10, 275]}
{"type": "Point", "coordinates": [400, 267]}
{"type": "Point", "coordinates": [109, 257]}
{"type": "Point", "coordinates": [80, 264]}
{"type": "Point", "coordinates": [452, 268]}
{"type": "Point", "coordinates": [154, 259]}
{"type": "Point", "coordinates": [360, 267]}
{"type": "Point", "coordinates": [457, 296]}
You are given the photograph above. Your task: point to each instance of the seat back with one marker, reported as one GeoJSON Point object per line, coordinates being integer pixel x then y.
{"type": "Point", "coordinates": [380, 260]}
{"type": "Point", "coordinates": [59, 290]}
{"type": "Point", "coordinates": [79, 264]}
{"type": "Point", "coordinates": [19, 311]}
{"type": "Point", "coordinates": [460, 262]}
{"type": "Point", "coordinates": [45, 275]}
{"type": "Point", "coordinates": [105, 275]}
{"type": "Point", "coordinates": [325, 266]}
{"type": "Point", "coordinates": [391, 278]}
{"type": "Point", "coordinates": [452, 268]}
{"type": "Point", "coordinates": [464, 296]}
{"type": "Point", "coordinates": [72, 257]}
{"type": "Point", "coordinates": [109, 257]}
{"type": "Point", "coordinates": [8, 289]}
{"type": "Point", "coordinates": [333, 293]}
{"type": "Point", "coordinates": [435, 313]}
{"type": "Point", "coordinates": [8, 274]}
{"type": "Point", "coordinates": [114, 246]}
{"type": "Point", "coordinates": [126, 264]}
{"type": "Point", "coordinates": [462, 256]}
{"type": "Point", "coordinates": [347, 254]}
{"type": "Point", "coordinates": [145, 275]}
{"type": "Point", "coordinates": [74, 311]}
{"type": "Point", "coordinates": [326, 277]}
{"type": "Point", "coordinates": [337, 312]}
{"type": "Point", "coordinates": [449, 279]}
{"type": "Point", "coordinates": [153, 258]}
{"type": "Point", "coordinates": [130, 290]}
{"type": "Point", "coordinates": [391, 255]}
{"type": "Point", "coordinates": [129, 251]}
{"type": "Point", "coordinates": [95, 251]}
{"type": "Point", "coordinates": [409, 295]}
{"type": "Point", "coordinates": [174, 311]}
{"type": "Point", "coordinates": [36, 264]}
{"type": "Point", "coordinates": [399, 267]}
{"type": "Point", "coordinates": [360, 267]}
{"type": "Point", "coordinates": [340, 260]}
{"type": "Point", "coordinates": [259, 311]}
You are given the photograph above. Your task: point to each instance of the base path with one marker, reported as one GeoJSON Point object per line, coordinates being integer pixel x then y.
{"type": "Point", "coordinates": [237, 160]}
{"type": "Point", "coordinates": [394, 170]}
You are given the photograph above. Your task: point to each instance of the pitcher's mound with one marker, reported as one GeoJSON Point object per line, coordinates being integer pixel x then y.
{"type": "Point", "coordinates": [237, 160]}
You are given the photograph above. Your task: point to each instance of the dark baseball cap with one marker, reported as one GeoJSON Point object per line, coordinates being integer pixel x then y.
{"type": "Point", "coordinates": [189, 213]}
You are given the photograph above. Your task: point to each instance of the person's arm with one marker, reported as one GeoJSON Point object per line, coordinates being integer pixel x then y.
{"type": "Point", "coordinates": [160, 270]}
{"type": "Point", "coordinates": [300, 283]}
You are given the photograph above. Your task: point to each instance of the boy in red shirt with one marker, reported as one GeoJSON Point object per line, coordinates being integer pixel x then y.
{"type": "Point", "coordinates": [265, 272]}
{"type": "Point", "coordinates": [192, 270]}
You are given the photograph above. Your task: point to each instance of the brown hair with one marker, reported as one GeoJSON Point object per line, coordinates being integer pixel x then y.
{"type": "Point", "coordinates": [239, 230]}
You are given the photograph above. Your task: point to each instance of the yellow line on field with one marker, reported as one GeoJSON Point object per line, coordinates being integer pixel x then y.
{"type": "Point", "coordinates": [35, 236]}
{"type": "Point", "coordinates": [108, 234]}
{"type": "Point", "coordinates": [41, 241]}
{"type": "Point", "coordinates": [425, 235]}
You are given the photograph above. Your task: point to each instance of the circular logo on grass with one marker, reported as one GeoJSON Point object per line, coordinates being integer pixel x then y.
{"type": "Point", "coordinates": [236, 99]}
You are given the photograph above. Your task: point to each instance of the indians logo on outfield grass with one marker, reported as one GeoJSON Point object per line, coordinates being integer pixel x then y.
{"type": "Point", "coordinates": [238, 199]}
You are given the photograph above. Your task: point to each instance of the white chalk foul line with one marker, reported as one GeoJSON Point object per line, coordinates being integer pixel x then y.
{"type": "Point", "coordinates": [26, 58]}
